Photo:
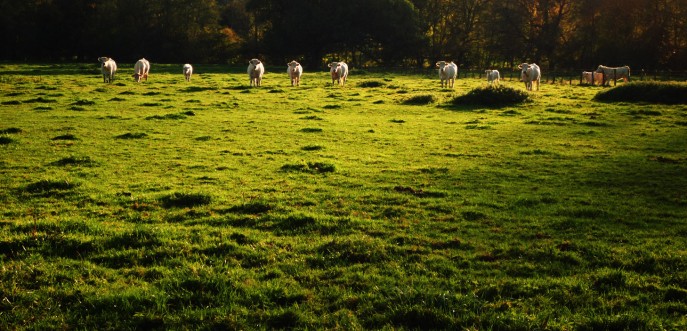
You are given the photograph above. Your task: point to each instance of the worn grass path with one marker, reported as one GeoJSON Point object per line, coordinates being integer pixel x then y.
{"type": "Point", "coordinates": [208, 204]}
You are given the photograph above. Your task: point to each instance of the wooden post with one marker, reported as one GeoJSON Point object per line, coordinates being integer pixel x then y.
{"type": "Point", "coordinates": [615, 78]}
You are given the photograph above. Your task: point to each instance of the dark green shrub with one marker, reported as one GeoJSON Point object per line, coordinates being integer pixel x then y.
{"type": "Point", "coordinates": [498, 96]}
{"type": "Point", "coordinates": [653, 92]}
{"type": "Point", "coordinates": [419, 100]}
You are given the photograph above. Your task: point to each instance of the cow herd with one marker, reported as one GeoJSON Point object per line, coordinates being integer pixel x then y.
{"type": "Point", "coordinates": [530, 73]}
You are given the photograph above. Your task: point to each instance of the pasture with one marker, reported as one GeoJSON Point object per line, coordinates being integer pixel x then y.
{"type": "Point", "coordinates": [380, 205]}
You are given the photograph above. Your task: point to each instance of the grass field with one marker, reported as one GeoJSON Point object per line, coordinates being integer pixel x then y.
{"type": "Point", "coordinates": [379, 205]}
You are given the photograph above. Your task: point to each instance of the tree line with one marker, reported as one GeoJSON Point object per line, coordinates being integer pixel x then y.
{"type": "Point", "coordinates": [648, 34]}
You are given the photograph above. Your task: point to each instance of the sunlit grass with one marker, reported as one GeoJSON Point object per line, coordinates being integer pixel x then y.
{"type": "Point", "coordinates": [210, 204]}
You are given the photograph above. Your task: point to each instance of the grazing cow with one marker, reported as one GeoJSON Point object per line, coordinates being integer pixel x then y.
{"type": "Point", "coordinates": [255, 72]}
{"type": "Point", "coordinates": [493, 77]}
{"type": "Point", "coordinates": [339, 71]}
{"type": "Point", "coordinates": [447, 72]}
{"type": "Point", "coordinates": [295, 71]}
{"type": "Point", "coordinates": [141, 69]}
{"type": "Point", "coordinates": [108, 67]}
{"type": "Point", "coordinates": [613, 73]}
{"type": "Point", "coordinates": [530, 73]}
{"type": "Point", "coordinates": [188, 71]}
{"type": "Point", "coordinates": [591, 77]}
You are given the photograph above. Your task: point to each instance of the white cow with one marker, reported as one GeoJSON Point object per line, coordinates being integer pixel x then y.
{"type": "Point", "coordinates": [591, 77]}
{"type": "Point", "coordinates": [108, 67]}
{"type": "Point", "coordinates": [530, 73]}
{"type": "Point", "coordinates": [447, 72]}
{"type": "Point", "coordinates": [614, 73]}
{"type": "Point", "coordinates": [188, 71]}
{"type": "Point", "coordinates": [141, 70]}
{"type": "Point", "coordinates": [255, 72]}
{"type": "Point", "coordinates": [493, 77]}
{"type": "Point", "coordinates": [339, 71]}
{"type": "Point", "coordinates": [295, 71]}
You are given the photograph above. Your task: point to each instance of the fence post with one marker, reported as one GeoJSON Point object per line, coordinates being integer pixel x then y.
{"type": "Point", "coordinates": [615, 77]}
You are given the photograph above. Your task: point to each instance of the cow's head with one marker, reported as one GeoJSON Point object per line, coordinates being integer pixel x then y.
{"type": "Point", "coordinates": [254, 62]}
{"type": "Point", "coordinates": [137, 77]}
{"type": "Point", "coordinates": [293, 65]}
{"type": "Point", "coordinates": [103, 59]}
{"type": "Point", "coordinates": [441, 64]}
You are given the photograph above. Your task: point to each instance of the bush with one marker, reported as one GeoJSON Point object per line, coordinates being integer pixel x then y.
{"type": "Point", "coordinates": [498, 96]}
{"type": "Point", "coordinates": [670, 93]}
{"type": "Point", "coordinates": [419, 100]}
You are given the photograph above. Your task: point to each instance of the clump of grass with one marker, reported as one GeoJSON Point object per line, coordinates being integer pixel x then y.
{"type": "Point", "coordinates": [11, 131]}
{"type": "Point", "coordinates": [252, 207]}
{"type": "Point", "coordinates": [312, 117]}
{"type": "Point", "coordinates": [40, 100]}
{"type": "Point", "coordinates": [419, 100]}
{"type": "Point", "coordinates": [44, 186]}
{"type": "Point", "coordinates": [670, 93]}
{"type": "Point", "coordinates": [74, 160]}
{"type": "Point", "coordinates": [67, 136]}
{"type": "Point", "coordinates": [129, 135]}
{"type": "Point", "coordinates": [312, 148]}
{"type": "Point", "coordinates": [11, 103]}
{"type": "Point", "coordinates": [310, 167]}
{"type": "Point", "coordinates": [346, 251]}
{"type": "Point", "coordinates": [311, 130]}
{"type": "Point", "coordinates": [175, 116]}
{"type": "Point", "coordinates": [371, 83]}
{"type": "Point", "coordinates": [199, 89]}
{"type": "Point", "coordinates": [498, 96]}
{"type": "Point", "coordinates": [5, 140]}
{"type": "Point", "coordinates": [185, 200]}
{"type": "Point", "coordinates": [117, 99]}
{"type": "Point", "coordinates": [83, 102]}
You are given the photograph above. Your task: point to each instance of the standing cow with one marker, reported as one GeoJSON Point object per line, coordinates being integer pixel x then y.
{"type": "Point", "coordinates": [141, 70]}
{"type": "Point", "coordinates": [108, 67]}
{"type": "Point", "coordinates": [530, 73]}
{"type": "Point", "coordinates": [447, 72]}
{"type": "Point", "coordinates": [188, 71]}
{"type": "Point", "coordinates": [493, 77]}
{"type": "Point", "coordinates": [295, 71]}
{"type": "Point", "coordinates": [339, 71]}
{"type": "Point", "coordinates": [613, 73]}
{"type": "Point", "coordinates": [255, 72]}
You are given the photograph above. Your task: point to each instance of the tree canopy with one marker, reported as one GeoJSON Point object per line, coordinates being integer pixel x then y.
{"type": "Point", "coordinates": [649, 34]}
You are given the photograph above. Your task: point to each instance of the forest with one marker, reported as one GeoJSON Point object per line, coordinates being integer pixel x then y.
{"type": "Point", "coordinates": [557, 34]}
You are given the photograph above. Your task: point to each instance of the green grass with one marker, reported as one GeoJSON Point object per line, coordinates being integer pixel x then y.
{"type": "Point", "coordinates": [213, 205]}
